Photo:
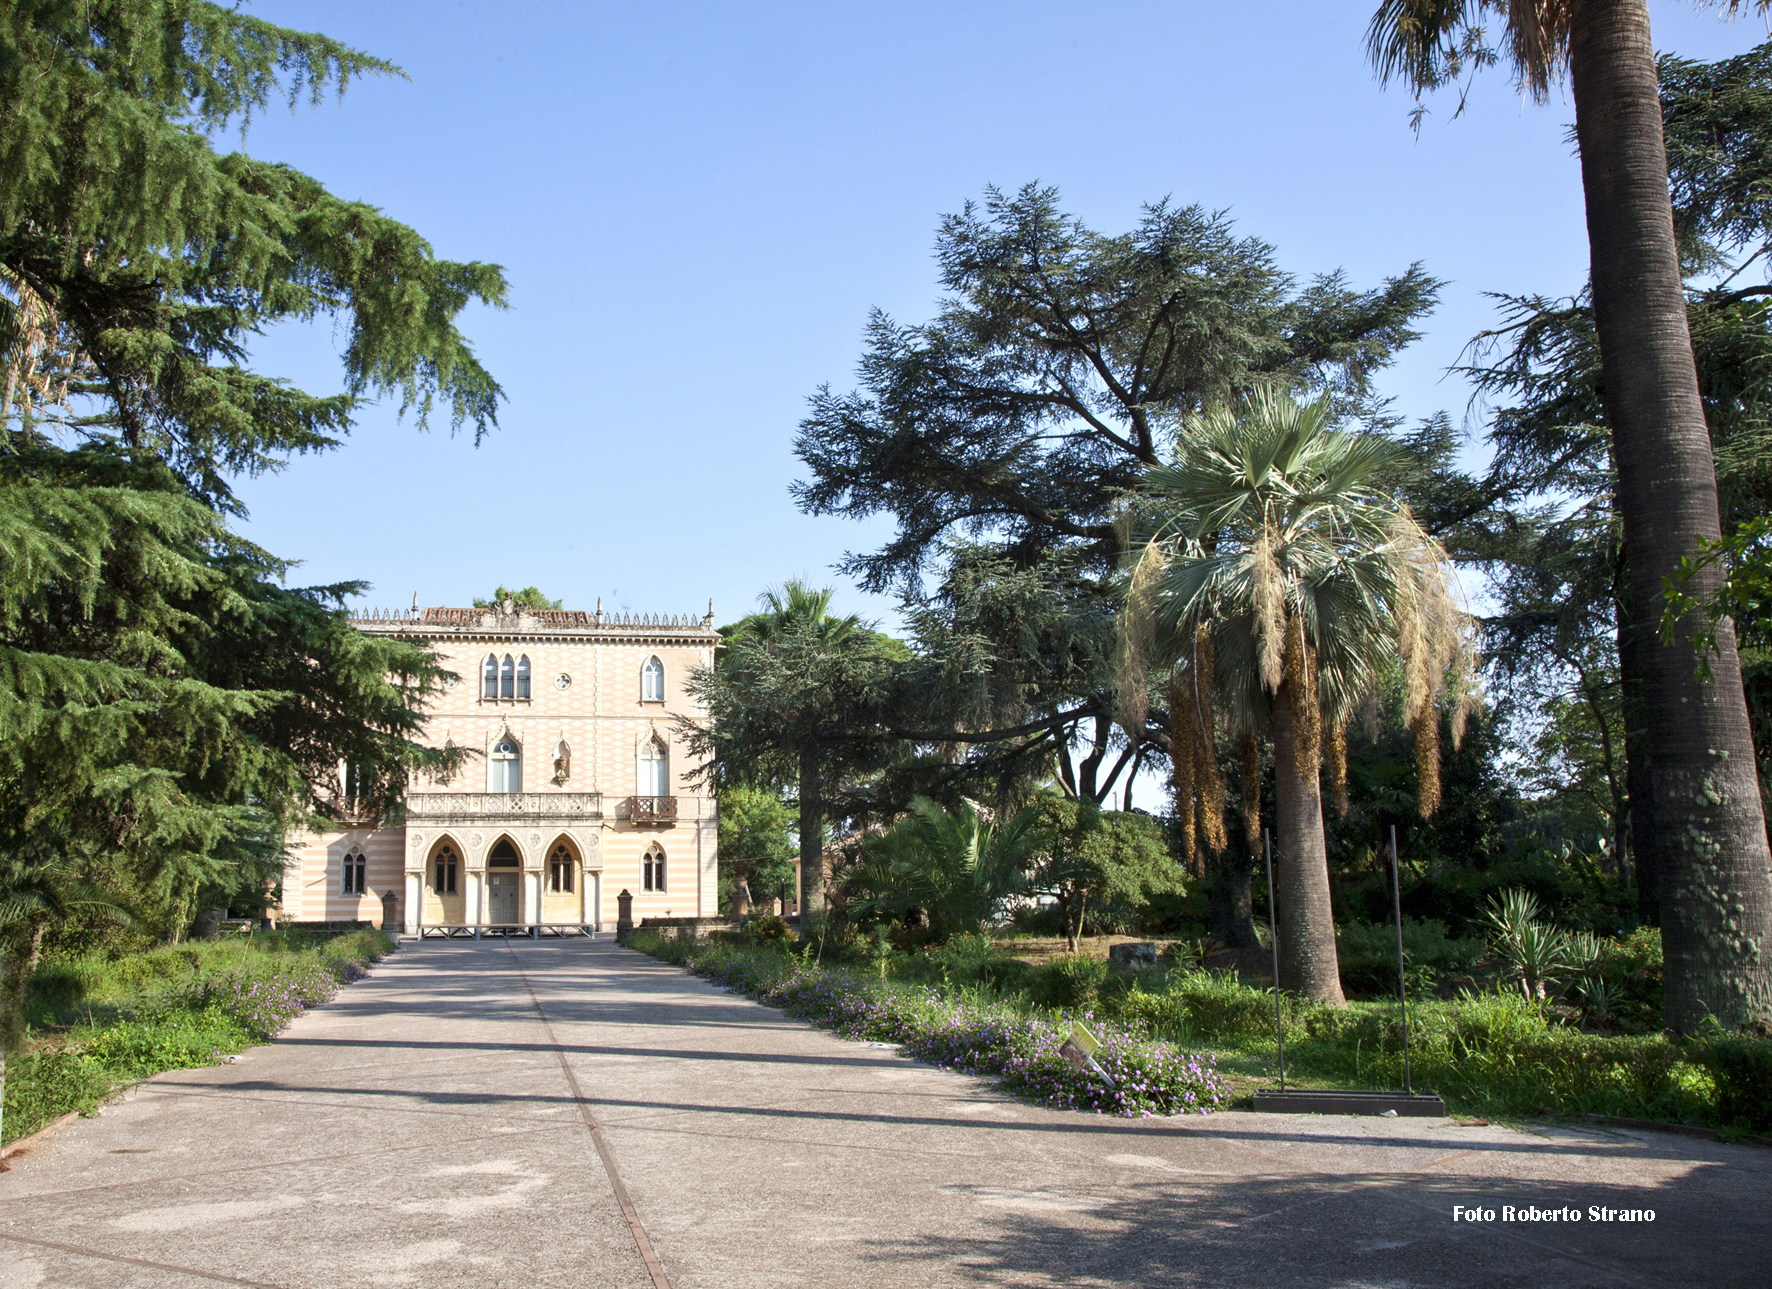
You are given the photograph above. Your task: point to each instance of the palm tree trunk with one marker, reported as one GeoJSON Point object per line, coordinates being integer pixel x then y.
{"type": "Point", "coordinates": [1639, 791]}
{"type": "Point", "coordinates": [811, 841]}
{"type": "Point", "coordinates": [1709, 830]}
{"type": "Point", "coordinates": [1301, 873]}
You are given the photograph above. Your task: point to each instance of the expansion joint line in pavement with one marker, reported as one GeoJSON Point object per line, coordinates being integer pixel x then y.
{"type": "Point", "coordinates": [653, 1266]}
{"type": "Point", "coordinates": [77, 1251]}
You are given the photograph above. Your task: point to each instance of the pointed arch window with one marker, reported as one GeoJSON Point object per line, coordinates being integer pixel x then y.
{"type": "Point", "coordinates": [506, 762]}
{"type": "Point", "coordinates": [560, 866]}
{"type": "Point", "coordinates": [444, 878]}
{"type": "Point", "coordinates": [652, 875]}
{"type": "Point", "coordinates": [489, 677]}
{"type": "Point", "coordinates": [507, 678]}
{"type": "Point", "coordinates": [356, 871]}
{"type": "Point", "coordinates": [655, 769]}
{"type": "Point", "coordinates": [523, 677]}
{"type": "Point", "coordinates": [652, 681]}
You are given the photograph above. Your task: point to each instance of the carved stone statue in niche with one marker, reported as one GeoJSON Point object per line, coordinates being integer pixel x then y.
{"type": "Point", "coordinates": [562, 762]}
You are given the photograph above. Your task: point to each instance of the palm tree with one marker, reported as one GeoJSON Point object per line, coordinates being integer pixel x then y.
{"type": "Point", "coordinates": [1708, 826]}
{"type": "Point", "coordinates": [796, 628]}
{"type": "Point", "coordinates": [955, 866]}
{"type": "Point", "coordinates": [1278, 583]}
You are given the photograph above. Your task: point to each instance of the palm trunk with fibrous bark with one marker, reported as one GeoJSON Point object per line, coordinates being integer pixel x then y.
{"type": "Point", "coordinates": [1708, 829]}
{"type": "Point", "coordinates": [1308, 962]}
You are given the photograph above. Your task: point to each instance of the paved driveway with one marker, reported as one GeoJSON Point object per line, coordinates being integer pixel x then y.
{"type": "Point", "coordinates": [575, 1114]}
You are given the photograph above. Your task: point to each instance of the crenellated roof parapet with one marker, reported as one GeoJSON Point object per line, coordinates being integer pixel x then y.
{"type": "Point", "coordinates": [509, 619]}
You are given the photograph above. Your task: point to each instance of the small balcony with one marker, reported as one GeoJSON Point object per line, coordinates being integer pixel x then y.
{"type": "Point", "coordinates": [652, 810]}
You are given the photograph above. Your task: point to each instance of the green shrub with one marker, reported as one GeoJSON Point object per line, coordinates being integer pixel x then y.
{"type": "Point", "coordinates": [1368, 954]}
{"type": "Point", "coordinates": [1742, 1070]}
{"type": "Point", "coordinates": [170, 1008]}
{"type": "Point", "coordinates": [1072, 980]}
{"type": "Point", "coordinates": [43, 1086]}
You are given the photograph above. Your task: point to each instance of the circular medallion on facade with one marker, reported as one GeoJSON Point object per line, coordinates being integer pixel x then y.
{"type": "Point", "coordinates": [474, 841]}
{"type": "Point", "coordinates": [562, 681]}
{"type": "Point", "coordinates": [417, 840]}
{"type": "Point", "coordinates": [534, 839]}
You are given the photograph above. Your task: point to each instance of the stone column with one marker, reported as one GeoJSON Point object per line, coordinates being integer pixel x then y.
{"type": "Point", "coordinates": [474, 912]}
{"type": "Point", "coordinates": [532, 897]}
{"type": "Point", "coordinates": [415, 902]}
{"type": "Point", "coordinates": [596, 894]}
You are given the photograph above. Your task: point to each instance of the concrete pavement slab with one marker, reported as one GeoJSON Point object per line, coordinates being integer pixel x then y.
{"type": "Point", "coordinates": [434, 1126]}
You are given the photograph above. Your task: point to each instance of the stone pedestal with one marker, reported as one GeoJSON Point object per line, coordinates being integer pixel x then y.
{"type": "Point", "coordinates": [624, 916]}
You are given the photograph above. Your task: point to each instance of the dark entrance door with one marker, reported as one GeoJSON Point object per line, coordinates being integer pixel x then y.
{"type": "Point", "coordinates": [503, 904]}
{"type": "Point", "coordinates": [504, 900]}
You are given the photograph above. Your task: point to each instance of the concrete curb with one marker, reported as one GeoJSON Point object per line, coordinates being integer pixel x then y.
{"type": "Point", "coordinates": [25, 1143]}
{"type": "Point", "coordinates": [1655, 1125]}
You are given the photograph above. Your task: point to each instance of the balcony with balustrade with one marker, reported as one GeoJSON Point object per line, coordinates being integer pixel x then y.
{"type": "Point", "coordinates": [454, 807]}
{"type": "Point", "coordinates": [652, 810]}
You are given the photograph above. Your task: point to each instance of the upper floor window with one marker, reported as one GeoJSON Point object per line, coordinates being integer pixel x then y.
{"type": "Point", "coordinates": [652, 681]}
{"type": "Point", "coordinates": [356, 871]}
{"type": "Point", "coordinates": [506, 763]}
{"type": "Point", "coordinates": [505, 678]}
{"type": "Point", "coordinates": [354, 780]}
{"type": "Point", "coordinates": [443, 881]}
{"type": "Point", "coordinates": [560, 866]}
{"type": "Point", "coordinates": [652, 876]}
{"type": "Point", "coordinates": [655, 769]}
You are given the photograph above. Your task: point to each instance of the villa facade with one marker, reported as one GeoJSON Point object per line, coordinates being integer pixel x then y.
{"type": "Point", "coordinates": [581, 787]}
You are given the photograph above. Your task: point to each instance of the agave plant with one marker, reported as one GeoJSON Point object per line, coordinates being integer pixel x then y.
{"type": "Point", "coordinates": [1536, 951]}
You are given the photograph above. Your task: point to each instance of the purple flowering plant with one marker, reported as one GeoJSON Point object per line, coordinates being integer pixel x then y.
{"type": "Point", "coordinates": [957, 1030]}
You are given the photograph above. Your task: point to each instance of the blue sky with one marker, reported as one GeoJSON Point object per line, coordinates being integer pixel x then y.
{"type": "Point", "coordinates": [697, 205]}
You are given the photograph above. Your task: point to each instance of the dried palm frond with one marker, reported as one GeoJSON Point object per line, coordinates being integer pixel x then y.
{"type": "Point", "coordinates": [1436, 640]}
{"type": "Point", "coordinates": [1208, 782]}
{"type": "Point", "coordinates": [1137, 639]}
{"type": "Point", "coordinates": [1251, 784]}
{"type": "Point", "coordinates": [1335, 754]}
{"type": "Point", "coordinates": [1181, 759]}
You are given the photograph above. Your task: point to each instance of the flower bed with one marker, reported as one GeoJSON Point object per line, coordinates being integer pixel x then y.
{"type": "Point", "coordinates": [1018, 1049]}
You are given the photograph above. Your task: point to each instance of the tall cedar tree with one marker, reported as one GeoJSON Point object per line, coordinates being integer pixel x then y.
{"type": "Point", "coordinates": [1000, 434]}
{"type": "Point", "coordinates": [166, 705]}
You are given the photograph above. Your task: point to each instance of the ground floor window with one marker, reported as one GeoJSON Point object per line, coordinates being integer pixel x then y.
{"type": "Point", "coordinates": [356, 866]}
{"type": "Point", "coordinates": [443, 881]}
{"type": "Point", "coordinates": [652, 876]}
{"type": "Point", "coordinates": [560, 865]}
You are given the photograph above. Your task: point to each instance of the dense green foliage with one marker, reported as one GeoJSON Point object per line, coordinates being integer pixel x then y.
{"type": "Point", "coordinates": [102, 1022]}
{"type": "Point", "coordinates": [1486, 1053]}
{"type": "Point", "coordinates": [168, 707]}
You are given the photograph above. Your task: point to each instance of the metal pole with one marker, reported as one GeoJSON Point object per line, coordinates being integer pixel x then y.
{"type": "Point", "coordinates": [1402, 982]}
{"type": "Point", "coordinates": [1273, 939]}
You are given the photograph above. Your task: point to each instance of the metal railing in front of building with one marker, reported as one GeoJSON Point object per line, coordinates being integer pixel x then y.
{"type": "Point", "coordinates": [652, 809]}
{"type": "Point", "coordinates": [503, 930]}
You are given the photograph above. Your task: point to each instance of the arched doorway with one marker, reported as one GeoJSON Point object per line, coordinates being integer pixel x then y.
{"type": "Point", "coordinates": [444, 884]}
{"type": "Point", "coordinates": [504, 884]}
{"type": "Point", "coordinates": [562, 897]}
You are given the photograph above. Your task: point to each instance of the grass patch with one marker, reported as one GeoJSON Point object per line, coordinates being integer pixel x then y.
{"type": "Point", "coordinates": [95, 1024]}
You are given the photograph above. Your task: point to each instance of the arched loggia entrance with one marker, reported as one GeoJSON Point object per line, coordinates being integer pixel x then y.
{"type": "Point", "coordinates": [504, 884]}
